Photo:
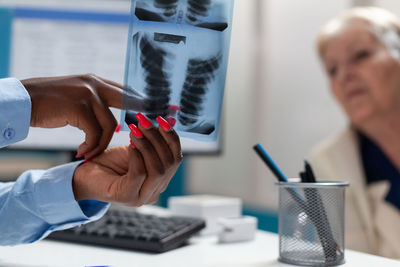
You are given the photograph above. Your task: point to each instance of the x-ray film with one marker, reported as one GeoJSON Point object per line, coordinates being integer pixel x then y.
{"type": "Point", "coordinates": [176, 64]}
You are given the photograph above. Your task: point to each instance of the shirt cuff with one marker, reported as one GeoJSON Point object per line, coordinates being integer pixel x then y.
{"type": "Point", "coordinates": [15, 108]}
{"type": "Point", "coordinates": [56, 200]}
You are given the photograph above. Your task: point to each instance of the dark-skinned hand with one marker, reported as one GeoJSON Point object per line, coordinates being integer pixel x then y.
{"type": "Point", "coordinates": [133, 175]}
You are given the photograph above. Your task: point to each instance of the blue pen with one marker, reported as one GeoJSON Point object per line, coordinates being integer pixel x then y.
{"type": "Point", "coordinates": [278, 173]}
{"type": "Point", "coordinates": [270, 163]}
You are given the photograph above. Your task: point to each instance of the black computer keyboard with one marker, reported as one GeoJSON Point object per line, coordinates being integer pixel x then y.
{"type": "Point", "coordinates": [135, 231]}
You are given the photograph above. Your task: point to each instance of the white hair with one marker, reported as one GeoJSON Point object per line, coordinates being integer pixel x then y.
{"type": "Point", "coordinates": [384, 25]}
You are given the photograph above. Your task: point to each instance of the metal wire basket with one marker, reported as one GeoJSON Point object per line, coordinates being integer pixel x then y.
{"type": "Point", "coordinates": [311, 223]}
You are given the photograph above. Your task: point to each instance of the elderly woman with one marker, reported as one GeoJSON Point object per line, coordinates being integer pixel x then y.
{"type": "Point", "coordinates": [360, 51]}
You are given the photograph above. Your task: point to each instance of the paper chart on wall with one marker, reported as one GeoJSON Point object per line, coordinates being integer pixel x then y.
{"type": "Point", "coordinates": [176, 62]}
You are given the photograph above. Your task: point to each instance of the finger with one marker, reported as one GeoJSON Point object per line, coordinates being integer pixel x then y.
{"type": "Point", "coordinates": [164, 188]}
{"type": "Point", "coordinates": [132, 100]}
{"type": "Point", "coordinates": [136, 176]}
{"type": "Point", "coordinates": [172, 109]}
{"type": "Point", "coordinates": [107, 123]}
{"type": "Point", "coordinates": [117, 96]}
{"type": "Point", "coordinates": [171, 121]}
{"type": "Point", "coordinates": [161, 187]}
{"type": "Point", "coordinates": [88, 123]}
{"type": "Point", "coordinates": [173, 142]}
{"type": "Point", "coordinates": [153, 199]}
{"type": "Point", "coordinates": [152, 162]}
{"type": "Point", "coordinates": [156, 186]}
{"type": "Point", "coordinates": [156, 139]}
{"type": "Point", "coordinates": [111, 94]}
{"type": "Point", "coordinates": [110, 82]}
{"type": "Point", "coordinates": [164, 184]}
{"type": "Point", "coordinates": [171, 138]}
{"type": "Point", "coordinates": [133, 91]}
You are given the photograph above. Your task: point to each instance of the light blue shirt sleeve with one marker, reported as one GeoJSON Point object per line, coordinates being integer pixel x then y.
{"type": "Point", "coordinates": [15, 111]}
{"type": "Point", "coordinates": [40, 201]}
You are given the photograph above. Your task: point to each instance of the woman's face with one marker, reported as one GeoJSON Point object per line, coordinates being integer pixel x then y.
{"type": "Point", "coordinates": [364, 76]}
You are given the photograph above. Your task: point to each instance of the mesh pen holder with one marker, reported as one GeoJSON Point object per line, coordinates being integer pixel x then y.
{"type": "Point", "coordinates": [311, 223]}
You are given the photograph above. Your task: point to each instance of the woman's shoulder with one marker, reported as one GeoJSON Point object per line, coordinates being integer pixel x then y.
{"type": "Point", "coordinates": [337, 156]}
{"type": "Point", "coordinates": [338, 141]}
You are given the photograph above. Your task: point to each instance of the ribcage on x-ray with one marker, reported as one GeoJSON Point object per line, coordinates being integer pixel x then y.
{"type": "Point", "coordinates": [198, 75]}
{"type": "Point", "coordinates": [167, 10]}
{"type": "Point", "coordinates": [153, 60]}
{"type": "Point", "coordinates": [169, 6]}
{"type": "Point", "coordinates": [197, 8]}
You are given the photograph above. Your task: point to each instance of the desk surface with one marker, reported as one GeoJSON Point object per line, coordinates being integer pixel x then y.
{"type": "Point", "coordinates": [203, 251]}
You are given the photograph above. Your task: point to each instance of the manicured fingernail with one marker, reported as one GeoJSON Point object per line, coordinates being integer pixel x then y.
{"type": "Point", "coordinates": [135, 131]}
{"type": "Point", "coordinates": [171, 121]}
{"type": "Point", "coordinates": [80, 156]}
{"type": "Point", "coordinates": [118, 128]}
{"type": "Point", "coordinates": [132, 144]}
{"type": "Point", "coordinates": [174, 107]}
{"type": "Point", "coordinates": [88, 159]}
{"type": "Point", "coordinates": [163, 123]}
{"type": "Point", "coordinates": [143, 120]}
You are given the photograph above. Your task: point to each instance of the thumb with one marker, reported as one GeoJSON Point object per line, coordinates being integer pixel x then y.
{"type": "Point", "coordinates": [89, 124]}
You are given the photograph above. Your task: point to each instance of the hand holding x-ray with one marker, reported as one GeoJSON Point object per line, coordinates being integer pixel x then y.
{"type": "Point", "coordinates": [177, 56]}
{"type": "Point", "coordinates": [81, 101]}
{"type": "Point", "coordinates": [132, 175]}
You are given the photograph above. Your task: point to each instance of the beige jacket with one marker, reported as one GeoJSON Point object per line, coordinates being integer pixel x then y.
{"type": "Point", "coordinates": [372, 224]}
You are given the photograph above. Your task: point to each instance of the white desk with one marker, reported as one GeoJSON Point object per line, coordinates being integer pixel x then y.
{"type": "Point", "coordinates": [203, 251]}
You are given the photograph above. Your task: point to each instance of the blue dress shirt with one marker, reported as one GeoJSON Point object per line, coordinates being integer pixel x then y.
{"type": "Point", "coordinates": [40, 201]}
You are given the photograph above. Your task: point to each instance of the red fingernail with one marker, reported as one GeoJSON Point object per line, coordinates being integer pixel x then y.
{"type": "Point", "coordinates": [80, 156]}
{"type": "Point", "coordinates": [143, 120]}
{"type": "Point", "coordinates": [118, 129]}
{"type": "Point", "coordinates": [174, 107]}
{"type": "Point", "coordinates": [171, 121]}
{"type": "Point", "coordinates": [132, 144]}
{"type": "Point", "coordinates": [135, 131]}
{"type": "Point", "coordinates": [163, 123]}
{"type": "Point", "coordinates": [88, 159]}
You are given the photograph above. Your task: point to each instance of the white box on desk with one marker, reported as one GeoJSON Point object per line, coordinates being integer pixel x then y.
{"type": "Point", "coordinates": [208, 207]}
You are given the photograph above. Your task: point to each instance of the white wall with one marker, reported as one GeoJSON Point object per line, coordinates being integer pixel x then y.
{"type": "Point", "coordinates": [392, 5]}
{"type": "Point", "coordinates": [276, 94]}
{"type": "Point", "coordinates": [299, 110]}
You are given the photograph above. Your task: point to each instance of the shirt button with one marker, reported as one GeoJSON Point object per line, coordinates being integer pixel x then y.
{"type": "Point", "coordinates": [9, 133]}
